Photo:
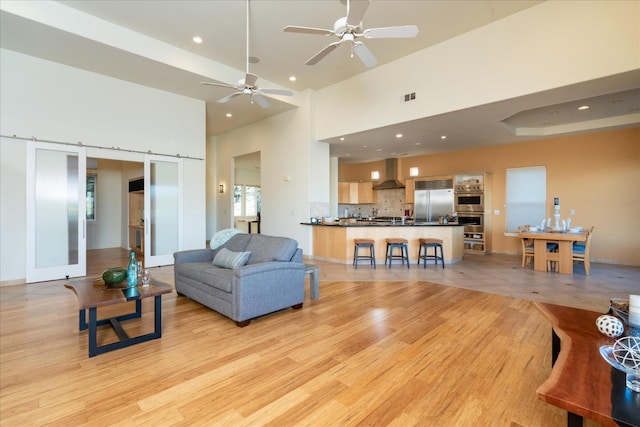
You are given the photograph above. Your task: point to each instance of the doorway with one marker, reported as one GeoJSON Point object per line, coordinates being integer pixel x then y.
{"type": "Point", "coordinates": [247, 193]}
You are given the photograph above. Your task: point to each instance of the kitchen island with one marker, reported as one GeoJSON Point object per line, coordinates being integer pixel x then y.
{"type": "Point", "coordinates": [334, 241]}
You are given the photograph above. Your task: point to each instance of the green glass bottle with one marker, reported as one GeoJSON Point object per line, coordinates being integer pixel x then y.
{"type": "Point", "coordinates": [132, 271]}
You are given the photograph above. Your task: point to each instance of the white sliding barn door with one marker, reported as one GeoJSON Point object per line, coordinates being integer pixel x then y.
{"type": "Point", "coordinates": [56, 212]}
{"type": "Point", "coordinates": [163, 209]}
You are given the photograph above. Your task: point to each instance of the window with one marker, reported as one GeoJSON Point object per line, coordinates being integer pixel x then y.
{"type": "Point", "coordinates": [246, 200]}
{"type": "Point", "coordinates": [91, 197]}
{"type": "Point", "coordinates": [526, 196]}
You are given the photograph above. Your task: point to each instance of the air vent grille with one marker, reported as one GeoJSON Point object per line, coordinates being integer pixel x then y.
{"type": "Point", "coordinates": [436, 184]}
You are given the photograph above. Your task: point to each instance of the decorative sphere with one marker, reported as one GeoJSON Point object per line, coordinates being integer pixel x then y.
{"type": "Point", "coordinates": [610, 326]}
{"type": "Point", "coordinates": [114, 275]}
{"type": "Point", "coordinates": [626, 351]}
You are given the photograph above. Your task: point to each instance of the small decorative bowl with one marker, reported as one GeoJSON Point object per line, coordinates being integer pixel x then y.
{"type": "Point", "coordinates": [620, 307]}
{"type": "Point", "coordinates": [113, 276]}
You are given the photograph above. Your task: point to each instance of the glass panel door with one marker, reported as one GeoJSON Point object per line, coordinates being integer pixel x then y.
{"type": "Point", "coordinates": [56, 207]}
{"type": "Point", "coordinates": [163, 209]}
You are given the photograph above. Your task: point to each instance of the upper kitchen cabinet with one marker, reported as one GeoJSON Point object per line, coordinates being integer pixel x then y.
{"type": "Point", "coordinates": [409, 189]}
{"type": "Point", "coordinates": [355, 193]}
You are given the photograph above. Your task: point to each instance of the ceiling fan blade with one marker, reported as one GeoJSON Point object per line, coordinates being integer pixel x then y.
{"type": "Point", "coordinates": [307, 30]}
{"type": "Point", "coordinates": [324, 52]}
{"type": "Point", "coordinates": [277, 92]}
{"type": "Point", "coordinates": [218, 85]}
{"type": "Point", "coordinates": [364, 54]}
{"type": "Point", "coordinates": [250, 79]}
{"type": "Point", "coordinates": [260, 100]}
{"type": "Point", "coordinates": [228, 98]}
{"type": "Point", "coordinates": [355, 12]}
{"type": "Point", "coordinates": [400, 32]}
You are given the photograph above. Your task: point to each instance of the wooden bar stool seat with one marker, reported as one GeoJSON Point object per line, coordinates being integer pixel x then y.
{"type": "Point", "coordinates": [397, 243]}
{"type": "Point", "coordinates": [426, 243]}
{"type": "Point", "coordinates": [364, 244]}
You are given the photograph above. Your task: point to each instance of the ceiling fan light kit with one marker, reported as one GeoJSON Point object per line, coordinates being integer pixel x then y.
{"type": "Point", "coordinates": [247, 86]}
{"type": "Point", "coordinates": [349, 28]}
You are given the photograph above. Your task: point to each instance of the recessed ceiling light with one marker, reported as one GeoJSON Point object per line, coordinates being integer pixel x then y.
{"type": "Point", "coordinates": [292, 78]}
{"type": "Point", "coordinates": [378, 149]}
{"type": "Point", "coordinates": [347, 154]}
{"type": "Point", "coordinates": [583, 107]}
{"type": "Point", "coordinates": [342, 138]}
{"type": "Point", "coordinates": [365, 146]}
{"type": "Point", "coordinates": [229, 115]}
{"type": "Point", "coordinates": [443, 137]}
{"type": "Point", "coordinates": [398, 135]}
{"type": "Point", "coordinates": [417, 143]}
{"type": "Point", "coordinates": [197, 39]}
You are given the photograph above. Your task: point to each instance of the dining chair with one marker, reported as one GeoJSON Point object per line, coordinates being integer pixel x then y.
{"type": "Point", "coordinates": [581, 252]}
{"type": "Point", "coordinates": [528, 252]}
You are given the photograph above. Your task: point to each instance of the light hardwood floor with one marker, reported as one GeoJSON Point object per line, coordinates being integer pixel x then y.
{"type": "Point", "coordinates": [460, 346]}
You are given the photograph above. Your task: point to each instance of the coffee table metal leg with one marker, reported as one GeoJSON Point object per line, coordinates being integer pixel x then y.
{"type": "Point", "coordinates": [157, 303]}
{"type": "Point", "coordinates": [93, 339]}
{"type": "Point", "coordinates": [573, 420]}
{"type": "Point", "coordinates": [125, 340]}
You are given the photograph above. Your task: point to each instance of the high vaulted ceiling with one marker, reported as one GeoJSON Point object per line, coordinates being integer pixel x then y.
{"type": "Point", "coordinates": [169, 26]}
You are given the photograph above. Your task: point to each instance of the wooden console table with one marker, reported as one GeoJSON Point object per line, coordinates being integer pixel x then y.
{"type": "Point", "coordinates": [581, 382]}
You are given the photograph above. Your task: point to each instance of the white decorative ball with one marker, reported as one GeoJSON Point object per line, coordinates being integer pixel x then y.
{"type": "Point", "coordinates": [610, 326]}
{"type": "Point", "coordinates": [626, 351]}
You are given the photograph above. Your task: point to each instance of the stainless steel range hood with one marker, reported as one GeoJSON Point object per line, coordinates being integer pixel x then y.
{"type": "Point", "coordinates": [390, 179]}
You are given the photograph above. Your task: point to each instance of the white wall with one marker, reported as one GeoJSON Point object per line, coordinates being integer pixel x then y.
{"type": "Point", "coordinates": [547, 46]}
{"type": "Point", "coordinates": [55, 102]}
{"type": "Point", "coordinates": [285, 146]}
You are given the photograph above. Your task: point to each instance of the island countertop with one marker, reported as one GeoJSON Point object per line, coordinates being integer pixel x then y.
{"type": "Point", "coordinates": [334, 241]}
{"type": "Point", "coordinates": [383, 224]}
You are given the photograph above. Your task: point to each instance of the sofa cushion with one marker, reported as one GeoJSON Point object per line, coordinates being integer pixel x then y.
{"type": "Point", "coordinates": [270, 248]}
{"type": "Point", "coordinates": [206, 273]}
{"type": "Point", "coordinates": [229, 259]}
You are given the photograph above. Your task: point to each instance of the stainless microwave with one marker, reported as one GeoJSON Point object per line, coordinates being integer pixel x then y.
{"type": "Point", "coordinates": [469, 202]}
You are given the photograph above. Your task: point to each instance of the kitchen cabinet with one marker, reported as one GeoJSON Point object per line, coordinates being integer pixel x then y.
{"type": "Point", "coordinates": [409, 189]}
{"type": "Point", "coordinates": [477, 239]}
{"type": "Point", "coordinates": [354, 193]}
{"type": "Point", "coordinates": [366, 193]}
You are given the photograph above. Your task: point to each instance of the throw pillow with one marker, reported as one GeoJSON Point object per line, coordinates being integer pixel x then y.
{"type": "Point", "coordinates": [229, 259]}
{"type": "Point", "coordinates": [222, 236]}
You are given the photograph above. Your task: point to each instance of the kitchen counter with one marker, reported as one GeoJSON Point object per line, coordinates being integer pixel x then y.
{"type": "Point", "coordinates": [382, 224]}
{"type": "Point", "coordinates": [334, 241]}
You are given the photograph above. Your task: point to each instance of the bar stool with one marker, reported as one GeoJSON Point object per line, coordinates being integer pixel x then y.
{"type": "Point", "coordinates": [404, 251]}
{"type": "Point", "coordinates": [427, 243]}
{"type": "Point", "coordinates": [364, 243]}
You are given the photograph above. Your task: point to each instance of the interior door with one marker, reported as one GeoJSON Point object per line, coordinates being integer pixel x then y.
{"type": "Point", "coordinates": [56, 212]}
{"type": "Point", "coordinates": [163, 209]}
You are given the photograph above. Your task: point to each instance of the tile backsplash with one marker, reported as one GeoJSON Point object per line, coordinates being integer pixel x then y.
{"type": "Point", "coordinates": [390, 203]}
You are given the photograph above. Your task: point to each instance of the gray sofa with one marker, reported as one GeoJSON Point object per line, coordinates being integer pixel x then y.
{"type": "Point", "coordinates": [271, 280]}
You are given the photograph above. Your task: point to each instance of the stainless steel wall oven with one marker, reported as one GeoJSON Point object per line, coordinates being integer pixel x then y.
{"type": "Point", "coordinates": [472, 221]}
{"type": "Point", "coordinates": [469, 198]}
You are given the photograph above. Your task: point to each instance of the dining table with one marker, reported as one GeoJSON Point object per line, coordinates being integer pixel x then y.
{"type": "Point", "coordinates": [564, 240]}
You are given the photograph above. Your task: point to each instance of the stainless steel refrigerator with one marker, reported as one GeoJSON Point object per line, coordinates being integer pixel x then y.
{"type": "Point", "coordinates": [430, 205]}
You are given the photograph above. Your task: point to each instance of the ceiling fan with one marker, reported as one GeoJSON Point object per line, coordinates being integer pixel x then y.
{"type": "Point", "coordinates": [247, 86]}
{"type": "Point", "coordinates": [349, 28]}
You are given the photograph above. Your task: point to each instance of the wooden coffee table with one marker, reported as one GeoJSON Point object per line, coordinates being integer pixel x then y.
{"type": "Point", "coordinates": [92, 294]}
{"type": "Point", "coordinates": [581, 382]}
